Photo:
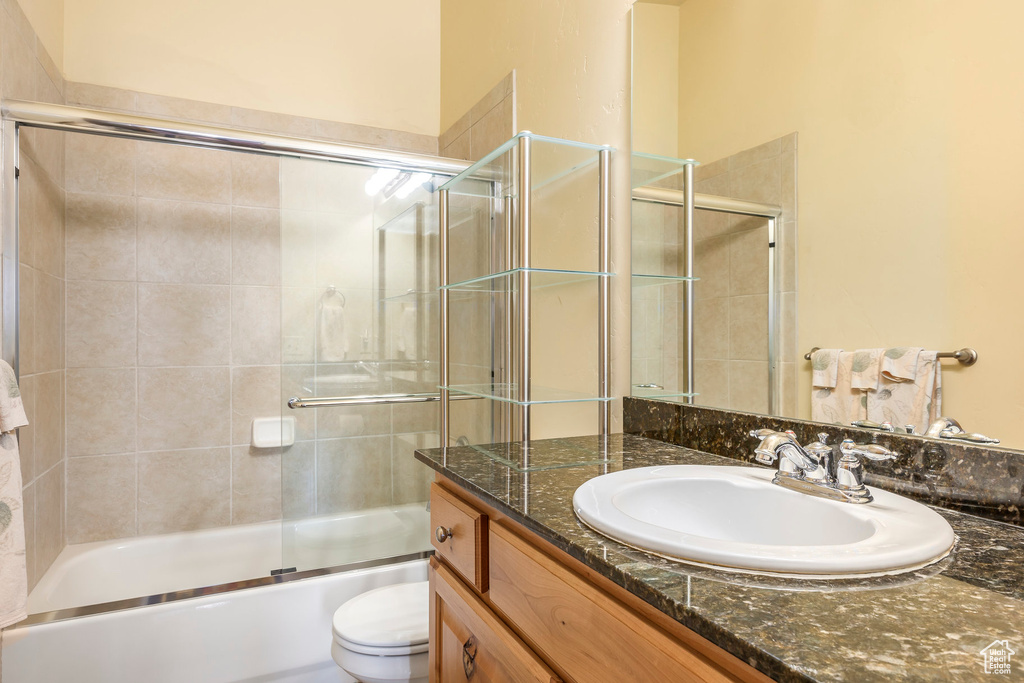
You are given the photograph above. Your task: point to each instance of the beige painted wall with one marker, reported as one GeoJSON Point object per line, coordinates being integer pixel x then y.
{"type": "Point", "coordinates": [910, 146]}
{"type": "Point", "coordinates": [371, 63]}
{"type": "Point", "coordinates": [572, 80]}
{"type": "Point", "coordinates": [47, 19]}
{"type": "Point", "coordinates": [655, 92]}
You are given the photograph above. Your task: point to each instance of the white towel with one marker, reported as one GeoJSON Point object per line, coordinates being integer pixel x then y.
{"type": "Point", "coordinates": [13, 577]}
{"type": "Point", "coordinates": [333, 342]}
{"type": "Point", "coordinates": [909, 390]}
{"type": "Point", "coordinates": [841, 403]}
{"type": "Point", "coordinates": [866, 369]}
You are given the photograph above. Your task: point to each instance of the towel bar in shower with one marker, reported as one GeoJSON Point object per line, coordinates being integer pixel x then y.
{"type": "Point", "coordinates": [327, 401]}
{"type": "Point", "coordinates": [966, 355]}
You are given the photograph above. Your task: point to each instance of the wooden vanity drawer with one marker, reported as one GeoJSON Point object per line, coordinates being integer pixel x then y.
{"type": "Point", "coordinates": [469, 643]}
{"type": "Point", "coordinates": [465, 548]}
{"type": "Point", "coordinates": [586, 634]}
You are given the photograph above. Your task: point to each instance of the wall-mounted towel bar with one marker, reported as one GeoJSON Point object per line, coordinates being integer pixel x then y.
{"type": "Point", "coordinates": [327, 401]}
{"type": "Point", "coordinates": [966, 355]}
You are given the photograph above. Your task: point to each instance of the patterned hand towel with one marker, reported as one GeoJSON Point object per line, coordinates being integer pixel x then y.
{"type": "Point", "coordinates": [840, 404]}
{"type": "Point", "coordinates": [825, 367]}
{"type": "Point", "coordinates": [13, 579]}
{"type": "Point", "coordinates": [915, 400]}
{"type": "Point", "coordinates": [866, 368]}
{"type": "Point", "coordinates": [899, 364]}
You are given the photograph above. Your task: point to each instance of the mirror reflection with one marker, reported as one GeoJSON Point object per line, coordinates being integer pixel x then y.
{"type": "Point", "coordinates": [888, 138]}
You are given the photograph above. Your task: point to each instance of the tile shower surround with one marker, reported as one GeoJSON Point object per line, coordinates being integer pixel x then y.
{"type": "Point", "coordinates": [214, 278]}
{"type": "Point", "coordinates": [988, 482]}
{"type": "Point", "coordinates": [28, 73]}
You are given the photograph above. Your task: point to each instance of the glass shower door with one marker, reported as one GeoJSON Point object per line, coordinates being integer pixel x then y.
{"type": "Point", "coordinates": [359, 327]}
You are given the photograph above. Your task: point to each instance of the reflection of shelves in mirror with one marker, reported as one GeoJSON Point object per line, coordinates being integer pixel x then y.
{"type": "Point", "coordinates": [580, 452]}
{"type": "Point", "coordinates": [499, 283]}
{"type": "Point", "coordinates": [506, 393]}
{"type": "Point", "coordinates": [405, 222]}
{"type": "Point", "coordinates": [411, 296]}
{"type": "Point", "coordinates": [643, 280]}
{"type": "Point", "coordinates": [645, 391]}
{"type": "Point", "coordinates": [478, 179]}
{"type": "Point", "coordinates": [648, 169]}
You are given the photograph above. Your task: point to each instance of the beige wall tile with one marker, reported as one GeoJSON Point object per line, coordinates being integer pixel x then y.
{"type": "Point", "coordinates": [748, 262]}
{"type": "Point", "coordinates": [49, 414]}
{"type": "Point", "coordinates": [255, 180]}
{"type": "Point", "coordinates": [298, 248]}
{"type": "Point", "coordinates": [758, 182]}
{"type": "Point", "coordinates": [748, 386]}
{"type": "Point", "coordinates": [298, 480]}
{"type": "Point", "coordinates": [748, 327]}
{"type": "Point", "coordinates": [100, 237]}
{"type": "Point", "coordinates": [768, 150]}
{"type": "Point", "coordinates": [255, 392]}
{"type": "Point", "coordinates": [353, 474]}
{"type": "Point", "coordinates": [349, 421]}
{"type": "Point", "coordinates": [53, 73]}
{"type": "Point", "coordinates": [28, 501]}
{"type": "Point", "coordinates": [411, 478]}
{"type": "Point", "coordinates": [101, 498]}
{"type": "Point", "coordinates": [711, 380]}
{"type": "Point", "coordinates": [101, 324]}
{"type": "Point", "coordinates": [787, 327]}
{"type": "Point", "coordinates": [337, 131]}
{"type": "Point", "coordinates": [711, 329]}
{"type": "Point", "coordinates": [27, 319]}
{"type": "Point", "coordinates": [184, 408]}
{"type": "Point", "coordinates": [41, 220]}
{"type": "Point", "coordinates": [255, 246]}
{"type": "Point", "coordinates": [297, 380]}
{"type": "Point", "coordinates": [459, 148]}
{"type": "Point", "coordinates": [49, 518]}
{"type": "Point", "coordinates": [46, 147]}
{"type": "Point", "coordinates": [183, 173]}
{"type": "Point", "coordinates": [178, 108]}
{"type": "Point", "coordinates": [416, 417]}
{"type": "Point", "coordinates": [17, 54]}
{"type": "Point", "coordinates": [298, 315]}
{"type": "Point", "coordinates": [184, 242]}
{"type": "Point", "coordinates": [787, 279]}
{"type": "Point", "coordinates": [255, 484]}
{"type": "Point", "coordinates": [184, 324]}
{"type": "Point", "coordinates": [98, 164]}
{"type": "Point", "coordinates": [26, 434]}
{"type": "Point", "coordinates": [494, 128]}
{"type": "Point", "coordinates": [101, 409]}
{"type": "Point", "coordinates": [49, 323]}
{"type": "Point", "coordinates": [414, 142]}
{"type": "Point", "coordinates": [710, 169]}
{"type": "Point", "coordinates": [184, 490]}
{"type": "Point", "coordinates": [273, 122]}
{"type": "Point", "coordinates": [787, 185]}
{"type": "Point", "coordinates": [711, 265]}
{"type": "Point", "coordinates": [790, 391]}
{"type": "Point", "coordinates": [99, 96]}
{"type": "Point", "coordinates": [255, 325]}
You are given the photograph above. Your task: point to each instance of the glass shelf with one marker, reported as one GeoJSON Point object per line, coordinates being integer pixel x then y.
{"type": "Point", "coordinates": [409, 297]}
{"type": "Point", "coordinates": [506, 394]}
{"type": "Point", "coordinates": [542, 277]}
{"type": "Point", "coordinates": [644, 280]}
{"type": "Point", "coordinates": [648, 169]}
{"type": "Point", "coordinates": [575, 452]}
{"type": "Point", "coordinates": [660, 392]}
{"type": "Point", "coordinates": [476, 180]}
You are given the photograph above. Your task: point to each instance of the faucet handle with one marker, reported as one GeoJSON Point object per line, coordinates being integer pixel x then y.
{"type": "Point", "coordinates": [820, 447]}
{"type": "Point", "coordinates": [871, 451]}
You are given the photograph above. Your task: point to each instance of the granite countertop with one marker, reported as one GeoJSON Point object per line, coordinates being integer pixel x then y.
{"type": "Point", "coordinates": [926, 625]}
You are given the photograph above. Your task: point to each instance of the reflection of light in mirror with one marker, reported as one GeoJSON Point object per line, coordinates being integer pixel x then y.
{"type": "Point", "coordinates": [415, 181]}
{"type": "Point", "coordinates": [379, 179]}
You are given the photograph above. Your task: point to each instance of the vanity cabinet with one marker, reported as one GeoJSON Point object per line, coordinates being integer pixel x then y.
{"type": "Point", "coordinates": [543, 616]}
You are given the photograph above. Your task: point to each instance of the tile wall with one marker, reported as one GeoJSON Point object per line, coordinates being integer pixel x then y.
{"type": "Point", "coordinates": [28, 73]}
{"type": "Point", "coordinates": [174, 335]}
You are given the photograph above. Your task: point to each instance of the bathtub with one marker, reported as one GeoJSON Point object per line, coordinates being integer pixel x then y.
{"type": "Point", "coordinates": [227, 632]}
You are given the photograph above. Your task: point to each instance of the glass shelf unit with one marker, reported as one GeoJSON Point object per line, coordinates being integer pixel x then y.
{"type": "Point", "coordinates": [641, 280]}
{"type": "Point", "coordinates": [507, 393]}
{"type": "Point", "coordinates": [651, 169]}
{"type": "Point", "coordinates": [525, 274]}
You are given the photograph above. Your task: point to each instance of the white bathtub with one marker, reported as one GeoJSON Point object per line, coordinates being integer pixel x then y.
{"type": "Point", "coordinates": [270, 633]}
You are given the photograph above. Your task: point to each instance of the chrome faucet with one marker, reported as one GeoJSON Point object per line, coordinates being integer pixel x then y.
{"type": "Point", "coordinates": [814, 469]}
{"type": "Point", "coordinates": [948, 428]}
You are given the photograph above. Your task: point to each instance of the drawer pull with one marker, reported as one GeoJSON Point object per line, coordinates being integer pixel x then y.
{"type": "Point", "coordinates": [469, 657]}
{"type": "Point", "coordinates": [442, 534]}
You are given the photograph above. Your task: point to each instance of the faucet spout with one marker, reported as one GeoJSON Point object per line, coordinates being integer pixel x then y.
{"type": "Point", "coordinates": [780, 444]}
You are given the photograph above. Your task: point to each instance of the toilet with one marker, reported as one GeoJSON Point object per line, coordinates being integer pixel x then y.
{"type": "Point", "coordinates": [381, 636]}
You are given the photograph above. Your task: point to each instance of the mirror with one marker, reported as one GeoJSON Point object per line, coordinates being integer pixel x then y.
{"type": "Point", "coordinates": [890, 136]}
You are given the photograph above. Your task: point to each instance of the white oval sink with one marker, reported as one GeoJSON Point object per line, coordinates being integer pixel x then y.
{"type": "Point", "coordinates": [735, 517]}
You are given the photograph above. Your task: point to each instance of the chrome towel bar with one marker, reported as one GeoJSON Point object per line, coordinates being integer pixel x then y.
{"type": "Point", "coordinates": [966, 355]}
{"type": "Point", "coordinates": [327, 401]}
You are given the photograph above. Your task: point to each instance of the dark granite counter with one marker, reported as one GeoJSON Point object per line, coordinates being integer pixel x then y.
{"type": "Point", "coordinates": [927, 625]}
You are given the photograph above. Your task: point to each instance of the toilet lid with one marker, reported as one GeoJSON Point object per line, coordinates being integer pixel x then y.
{"type": "Point", "coordinates": [390, 617]}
